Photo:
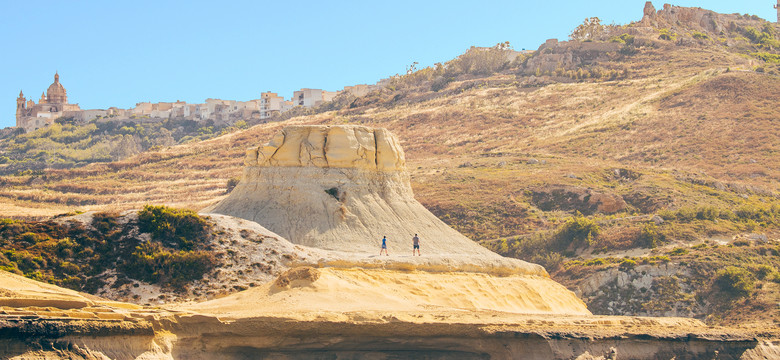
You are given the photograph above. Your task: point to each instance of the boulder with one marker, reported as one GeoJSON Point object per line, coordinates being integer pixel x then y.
{"type": "Point", "coordinates": [573, 198]}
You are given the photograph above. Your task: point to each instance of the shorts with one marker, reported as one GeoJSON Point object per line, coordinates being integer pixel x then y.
{"type": "Point", "coordinates": [416, 247]}
{"type": "Point", "coordinates": [384, 246]}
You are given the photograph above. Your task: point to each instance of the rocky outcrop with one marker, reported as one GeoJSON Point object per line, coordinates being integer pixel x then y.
{"type": "Point", "coordinates": [571, 198]}
{"type": "Point", "coordinates": [366, 335]}
{"type": "Point", "coordinates": [649, 11]}
{"type": "Point", "coordinates": [568, 55]}
{"type": "Point", "coordinates": [352, 147]}
{"type": "Point", "coordinates": [339, 188]}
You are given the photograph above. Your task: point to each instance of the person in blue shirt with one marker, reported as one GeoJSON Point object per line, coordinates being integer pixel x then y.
{"type": "Point", "coordinates": [384, 246]}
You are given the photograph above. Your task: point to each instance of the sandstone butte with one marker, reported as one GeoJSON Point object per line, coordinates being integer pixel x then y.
{"type": "Point", "coordinates": [331, 193]}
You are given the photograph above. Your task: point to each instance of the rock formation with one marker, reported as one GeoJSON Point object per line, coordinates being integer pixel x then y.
{"type": "Point", "coordinates": [339, 188]}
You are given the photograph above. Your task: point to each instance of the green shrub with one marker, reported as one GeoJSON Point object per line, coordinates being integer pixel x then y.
{"type": "Point", "coordinates": [707, 213]}
{"type": "Point", "coordinates": [595, 262]}
{"type": "Point", "coordinates": [699, 35]}
{"type": "Point", "coordinates": [734, 281]}
{"type": "Point", "coordinates": [767, 57]}
{"type": "Point", "coordinates": [178, 228]}
{"type": "Point", "coordinates": [577, 231]}
{"type": "Point", "coordinates": [668, 35]}
{"type": "Point", "coordinates": [627, 264]}
{"type": "Point", "coordinates": [551, 261]}
{"type": "Point", "coordinates": [686, 214]}
{"type": "Point", "coordinates": [623, 39]}
{"type": "Point", "coordinates": [104, 222]}
{"type": "Point", "coordinates": [650, 236]}
{"type": "Point", "coordinates": [153, 263]}
{"type": "Point", "coordinates": [764, 272]}
{"type": "Point", "coordinates": [678, 252]}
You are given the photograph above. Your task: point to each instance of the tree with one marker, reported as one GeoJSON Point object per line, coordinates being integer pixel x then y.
{"type": "Point", "coordinates": [589, 30]}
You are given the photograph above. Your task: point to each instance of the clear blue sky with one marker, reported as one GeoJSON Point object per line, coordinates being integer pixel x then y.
{"type": "Point", "coordinates": [117, 53]}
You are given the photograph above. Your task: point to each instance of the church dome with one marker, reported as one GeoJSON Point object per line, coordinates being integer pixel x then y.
{"type": "Point", "coordinates": [56, 94]}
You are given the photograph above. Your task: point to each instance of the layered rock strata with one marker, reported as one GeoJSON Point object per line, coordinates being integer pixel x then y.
{"type": "Point", "coordinates": [339, 188]}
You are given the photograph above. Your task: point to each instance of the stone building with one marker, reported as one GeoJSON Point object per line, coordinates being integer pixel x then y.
{"type": "Point", "coordinates": [53, 104]}
{"type": "Point", "coordinates": [312, 97]}
{"type": "Point", "coordinates": [270, 104]}
{"type": "Point", "coordinates": [778, 10]}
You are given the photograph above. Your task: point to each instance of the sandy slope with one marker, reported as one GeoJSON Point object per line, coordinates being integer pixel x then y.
{"type": "Point", "coordinates": [351, 290]}
{"type": "Point", "coordinates": [18, 291]}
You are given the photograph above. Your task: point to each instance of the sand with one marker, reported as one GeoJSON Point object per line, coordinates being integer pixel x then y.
{"type": "Point", "coordinates": [305, 290]}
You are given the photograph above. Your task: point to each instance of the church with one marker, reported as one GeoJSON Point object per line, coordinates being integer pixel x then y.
{"type": "Point", "coordinates": [52, 105]}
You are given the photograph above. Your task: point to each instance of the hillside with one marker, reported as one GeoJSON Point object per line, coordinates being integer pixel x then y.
{"type": "Point", "coordinates": [671, 118]}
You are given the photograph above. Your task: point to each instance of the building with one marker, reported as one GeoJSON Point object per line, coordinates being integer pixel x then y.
{"type": "Point", "coordinates": [52, 105]}
{"type": "Point", "coordinates": [778, 10]}
{"type": "Point", "coordinates": [360, 89]}
{"type": "Point", "coordinates": [312, 97]}
{"type": "Point", "coordinates": [270, 104]}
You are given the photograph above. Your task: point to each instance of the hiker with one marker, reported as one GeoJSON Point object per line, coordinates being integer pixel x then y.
{"type": "Point", "coordinates": [416, 244]}
{"type": "Point", "coordinates": [384, 246]}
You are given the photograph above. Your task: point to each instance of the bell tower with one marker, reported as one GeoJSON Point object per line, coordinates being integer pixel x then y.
{"type": "Point", "coordinates": [778, 10]}
{"type": "Point", "coordinates": [20, 107]}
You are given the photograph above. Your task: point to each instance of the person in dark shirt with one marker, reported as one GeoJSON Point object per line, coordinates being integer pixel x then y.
{"type": "Point", "coordinates": [416, 244]}
{"type": "Point", "coordinates": [384, 246]}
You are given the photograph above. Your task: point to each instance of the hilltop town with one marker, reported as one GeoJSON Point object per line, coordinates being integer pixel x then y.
{"type": "Point", "coordinates": [54, 104]}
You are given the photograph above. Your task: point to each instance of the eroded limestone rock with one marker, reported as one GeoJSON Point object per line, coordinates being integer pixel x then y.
{"type": "Point", "coordinates": [355, 147]}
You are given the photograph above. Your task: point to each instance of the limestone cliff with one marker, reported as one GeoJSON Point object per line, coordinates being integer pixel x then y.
{"type": "Point", "coordinates": [339, 188]}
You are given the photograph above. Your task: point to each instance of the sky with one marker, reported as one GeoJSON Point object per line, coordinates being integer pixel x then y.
{"type": "Point", "coordinates": [119, 53]}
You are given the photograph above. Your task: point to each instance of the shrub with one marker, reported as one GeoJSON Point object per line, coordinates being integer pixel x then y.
{"type": "Point", "coordinates": [595, 262]}
{"type": "Point", "coordinates": [686, 214]}
{"type": "Point", "coordinates": [627, 264]}
{"type": "Point", "coordinates": [104, 222]}
{"type": "Point", "coordinates": [231, 184]}
{"type": "Point", "coordinates": [440, 83]}
{"type": "Point", "coordinates": [707, 213]}
{"type": "Point", "coordinates": [179, 228]}
{"type": "Point", "coordinates": [551, 261]}
{"type": "Point", "coordinates": [576, 231]}
{"type": "Point", "coordinates": [678, 252]}
{"type": "Point", "coordinates": [767, 57]}
{"type": "Point", "coordinates": [765, 272]}
{"type": "Point", "coordinates": [699, 35]}
{"type": "Point", "coordinates": [734, 281]}
{"type": "Point", "coordinates": [668, 35]}
{"type": "Point", "coordinates": [650, 236]}
{"type": "Point", "coordinates": [741, 242]}
{"type": "Point", "coordinates": [155, 264]}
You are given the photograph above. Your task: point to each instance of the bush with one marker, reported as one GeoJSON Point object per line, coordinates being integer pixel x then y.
{"type": "Point", "coordinates": [764, 272]}
{"type": "Point", "coordinates": [767, 57]}
{"type": "Point", "coordinates": [627, 264]}
{"type": "Point", "coordinates": [707, 213]}
{"type": "Point", "coordinates": [678, 252]}
{"type": "Point", "coordinates": [155, 264]}
{"type": "Point", "coordinates": [178, 228]}
{"type": "Point", "coordinates": [668, 35]}
{"type": "Point", "coordinates": [231, 184]}
{"type": "Point", "coordinates": [650, 236]}
{"type": "Point", "coordinates": [104, 222]}
{"type": "Point", "coordinates": [577, 231]}
{"type": "Point", "coordinates": [734, 281]}
{"type": "Point", "coordinates": [551, 261]}
{"type": "Point", "coordinates": [686, 214]}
